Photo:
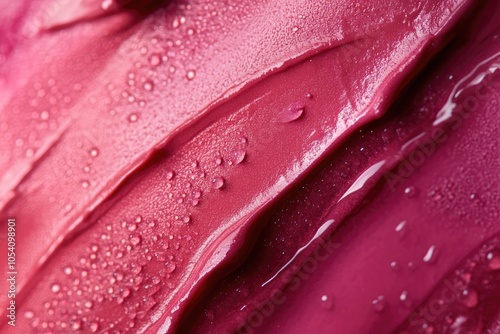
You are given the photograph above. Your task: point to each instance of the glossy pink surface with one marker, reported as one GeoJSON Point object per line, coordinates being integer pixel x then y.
{"type": "Point", "coordinates": [172, 168]}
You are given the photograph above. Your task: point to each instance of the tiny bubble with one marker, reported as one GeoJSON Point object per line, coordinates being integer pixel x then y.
{"type": "Point", "coordinates": [155, 60]}
{"type": "Point", "coordinates": [133, 117]}
{"type": "Point", "coordinates": [94, 152]}
{"type": "Point", "coordinates": [410, 192]}
{"type": "Point", "coordinates": [148, 86]}
{"type": "Point", "coordinates": [190, 74]}
{"type": "Point", "coordinates": [379, 304]}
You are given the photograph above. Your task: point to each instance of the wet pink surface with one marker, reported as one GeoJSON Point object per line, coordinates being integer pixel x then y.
{"type": "Point", "coordinates": [171, 169]}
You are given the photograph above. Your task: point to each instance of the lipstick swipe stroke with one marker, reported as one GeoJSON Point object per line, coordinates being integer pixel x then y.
{"type": "Point", "coordinates": [428, 220]}
{"type": "Point", "coordinates": [125, 83]}
{"type": "Point", "coordinates": [138, 250]}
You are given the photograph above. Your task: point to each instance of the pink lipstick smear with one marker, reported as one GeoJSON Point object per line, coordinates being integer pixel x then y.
{"type": "Point", "coordinates": [251, 167]}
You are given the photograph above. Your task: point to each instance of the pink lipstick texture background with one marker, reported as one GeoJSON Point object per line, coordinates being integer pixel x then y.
{"type": "Point", "coordinates": [251, 167]}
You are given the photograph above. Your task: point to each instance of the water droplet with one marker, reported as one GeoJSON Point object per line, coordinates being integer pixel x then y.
{"type": "Point", "coordinates": [106, 4]}
{"type": "Point", "coordinates": [133, 117]}
{"type": "Point", "coordinates": [466, 276]}
{"type": "Point", "coordinates": [431, 255]}
{"type": "Point", "coordinates": [28, 315]}
{"type": "Point", "coordinates": [218, 182]}
{"type": "Point", "coordinates": [119, 276]}
{"type": "Point", "coordinates": [410, 192]}
{"type": "Point", "coordinates": [35, 322]}
{"type": "Point", "coordinates": [85, 184]}
{"type": "Point", "coordinates": [94, 326]}
{"type": "Point", "coordinates": [55, 288]}
{"type": "Point", "coordinates": [155, 59]}
{"type": "Point", "coordinates": [309, 96]}
{"type": "Point", "coordinates": [94, 152]}
{"type": "Point", "coordinates": [125, 292]}
{"type": "Point", "coordinates": [404, 296]}
{"type": "Point", "coordinates": [170, 267]}
{"type": "Point", "coordinates": [135, 269]}
{"type": "Point", "coordinates": [132, 227]}
{"type": "Point", "coordinates": [404, 299]}
{"type": "Point", "coordinates": [428, 329]}
{"type": "Point", "coordinates": [291, 113]}
{"type": "Point", "coordinates": [394, 265]}
{"type": "Point", "coordinates": [135, 239]}
{"type": "Point", "coordinates": [76, 325]}
{"type": "Point", "coordinates": [88, 304]}
{"type": "Point", "coordinates": [67, 270]}
{"type": "Point", "coordinates": [470, 298]}
{"type": "Point", "coordinates": [379, 304]}
{"type": "Point", "coordinates": [401, 228]}
{"type": "Point", "coordinates": [326, 302]}
{"type": "Point", "coordinates": [494, 260]}
{"type": "Point", "coordinates": [138, 219]}
{"type": "Point", "coordinates": [239, 156]}
{"type": "Point", "coordinates": [175, 23]}
{"type": "Point", "coordinates": [190, 74]}
{"type": "Point", "coordinates": [148, 86]}
{"type": "Point", "coordinates": [186, 219]}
